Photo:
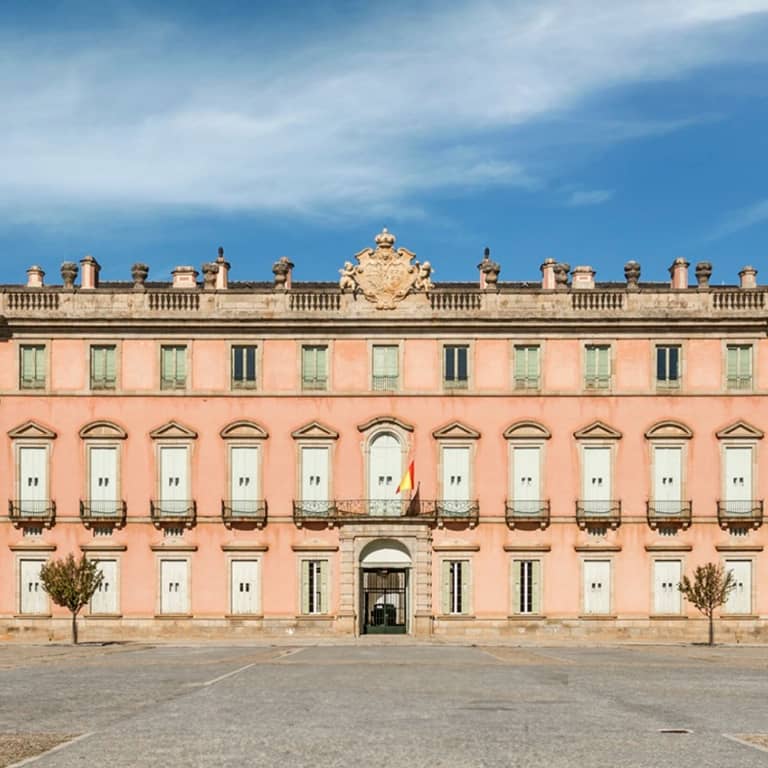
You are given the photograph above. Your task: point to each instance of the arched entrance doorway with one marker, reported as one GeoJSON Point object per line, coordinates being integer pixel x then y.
{"type": "Point", "coordinates": [384, 570]}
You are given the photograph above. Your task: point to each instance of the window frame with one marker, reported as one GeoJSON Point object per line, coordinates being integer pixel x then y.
{"type": "Point", "coordinates": [248, 557]}
{"type": "Point", "coordinates": [448, 600]}
{"type": "Point", "coordinates": [537, 591]}
{"type": "Point", "coordinates": [171, 556]}
{"type": "Point", "coordinates": [611, 580]}
{"type": "Point", "coordinates": [749, 385]}
{"type": "Point", "coordinates": [672, 558]}
{"type": "Point", "coordinates": [456, 383]}
{"type": "Point", "coordinates": [42, 558]}
{"type": "Point", "coordinates": [92, 381]}
{"type": "Point", "coordinates": [316, 384]}
{"type": "Point", "coordinates": [245, 384]}
{"type": "Point", "coordinates": [325, 584]}
{"type": "Point", "coordinates": [38, 383]}
{"type": "Point", "coordinates": [373, 375]}
{"type": "Point", "coordinates": [737, 556]}
{"type": "Point", "coordinates": [668, 385]}
{"type": "Point", "coordinates": [108, 557]}
{"type": "Point", "coordinates": [592, 383]}
{"type": "Point", "coordinates": [517, 348]}
{"type": "Point", "coordinates": [176, 387]}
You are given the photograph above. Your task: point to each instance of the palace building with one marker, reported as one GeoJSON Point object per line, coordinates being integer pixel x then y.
{"type": "Point", "coordinates": [231, 453]}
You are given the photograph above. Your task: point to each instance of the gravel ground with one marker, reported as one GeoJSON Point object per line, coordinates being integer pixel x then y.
{"type": "Point", "coordinates": [19, 746]}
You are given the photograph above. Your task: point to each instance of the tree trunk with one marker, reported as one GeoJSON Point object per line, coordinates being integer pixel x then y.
{"type": "Point", "coordinates": [712, 628]}
{"type": "Point", "coordinates": [74, 628]}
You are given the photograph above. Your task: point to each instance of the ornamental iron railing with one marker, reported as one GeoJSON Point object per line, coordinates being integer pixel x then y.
{"type": "Point", "coordinates": [26, 510]}
{"type": "Point", "coordinates": [527, 511]}
{"type": "Point", "coordinates": [244, 511]}
{"type": "Point", "coordinates": [95, 511]}
{"type": "Point", "coordinates": [748, 511]}
{"type": "Point", "coordinates": [598, 512]}
{"type": "Point", "coordinates": [669, 512]}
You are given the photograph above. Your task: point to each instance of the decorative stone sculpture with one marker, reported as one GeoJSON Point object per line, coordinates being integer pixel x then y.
{"type": "Point", "coordinates": [561, 275]}
{"type": "Point", "coordinates": [210, 270]}
{"type": "Point", "coordinates": [632, 275]}
{"type": "Point", "coordinates": [385, 276]}
{"type": "Point", "coordinates": [703, 273]}
{"type": "Point", "coordinates": [139, 273]}
{"type": "Point", "coordinates": [282, 272]}
{"type": "Point", "coordinates": [489, 271]}
{"type": "Point", "coordinates": [69, 272]}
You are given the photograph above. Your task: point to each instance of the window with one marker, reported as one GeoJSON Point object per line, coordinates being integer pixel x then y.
{"type": "Point", "coordinates": [32, 367]}
{"type": "Point", "coordinates": [314, 367]}
{"type": "Point", "coordinates": [105, 598]}
{"type": "Point", "coordinates": [33, 598]}
{"type": "Point", "coordinates": [668, 366]}
{"type": "Point", "coordinates": [597, 366]}
{"type": "Point", "coordinates": [455, 374]}
{"type": "Point", "coordinates": [173, 497]}
{"type": "Point", "coordinates": [527, 366]}
{"type": "Point", "coordinates": [385, 368]}
{"type": "Point", "coordinates": [244, 582]}
{"type": "Point", "coordinates": [526, 577]}
{"type": "Point", "coordinates": [173, 366]}
{"type": "Point", "coordinates": [739, 366]}
{"type": "Point", "coordinates": [314, 586]}
{"type": "Point", "coordinates": [174, 592]}
{"type": "Point", "coordinates": [455, 586]}
{"type": "Point", "coordinates": [103, 367]}
{"type": "Point", "coordinates": [597, 587]}
{"type": "Point", "coordinates": [666, 579]}
{"type": "Point", "coordinates": [244, 480]}
{"type": "Point", "coordinates": [243, 367]}
{"type": "Point", "coordinates": [740, 597]}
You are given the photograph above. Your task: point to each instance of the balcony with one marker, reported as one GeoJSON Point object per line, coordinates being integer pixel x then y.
{"type": "Point", "coordinates": [382, 510]}
{"type": "Point", "coordinates": [41, 511]}
{"type": "Point", "coordinates": [527, 511]}
{"type": "Point", "coordinates": [170, 511]}
{"type": "Point", "coordinates": [602, 512]}
{"type": "Point", "coordinates": [385, 383]}
{"type": "Point", "coordinates": [452, 511]}
{"type": "Point", "coordinates": [749, 512]}
{"type": "Point", "coordinates": [314, 512]}
{"type": "Point", "coordinates": [93, 512]}
{"type": "Point", "coordinates": [249, 511]}
{"type": "Point", "coordinates": [668, 513]}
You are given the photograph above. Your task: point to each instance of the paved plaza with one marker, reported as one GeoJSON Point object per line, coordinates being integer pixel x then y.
{"type": "Point", "coordinates": [388, 705]}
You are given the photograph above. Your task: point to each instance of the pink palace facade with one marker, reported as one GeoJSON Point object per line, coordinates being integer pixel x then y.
{"type": "Point", "coordinates": [230, 451]}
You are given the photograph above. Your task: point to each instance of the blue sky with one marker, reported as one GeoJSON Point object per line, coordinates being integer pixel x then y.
{"type": "Point", "coordinates": [593, 132]}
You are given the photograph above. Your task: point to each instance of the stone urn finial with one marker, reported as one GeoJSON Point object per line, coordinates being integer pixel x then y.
{"type": "Point", "coordinates": [282, 270]}
{"type": "Point", "coordinates": [139, 273]}
{"type": "Point", "coordinates": [632, 275]}
{"type": "Point", "coordinates": [489, 271]}
{"type": "Point", "coordinates": [69, 272]}
{"type": "Point", "coordinates": [210, 270]}
{"type": "Point", "coordinates": [561, 275]}
{"type": "Point", "coordinates": [703, 273]}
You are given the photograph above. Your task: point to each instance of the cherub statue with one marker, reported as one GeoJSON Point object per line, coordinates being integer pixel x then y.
{"type": "Point", "coordinates": [347, 280]}
{"type": "Point", "coordinates": [423, 281]}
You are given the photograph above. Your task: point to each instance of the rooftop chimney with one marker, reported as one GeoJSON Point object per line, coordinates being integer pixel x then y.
{"type": "Point", "coordinates": [89, 272]}
{"type": "Point", "coordinates": [548, 275]}
{"type": "Point", "coordinates": [748, 277]}
{"type": "Point", "coordinates": [222, 276]}
{"type": "Point", "coordinates": [679, 274]}
{"type": "Point", "coordinates": [35, 277]}
{"type": "Point", "coordinates": [185, 277]}
{"type": "Point", "coordinates": [582, 278]}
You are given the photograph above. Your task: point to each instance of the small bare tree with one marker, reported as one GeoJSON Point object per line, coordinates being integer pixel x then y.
{"type": "Point", "coordinates": [709, 590]}
{"type": "Point", "coordinates": [71, 584]}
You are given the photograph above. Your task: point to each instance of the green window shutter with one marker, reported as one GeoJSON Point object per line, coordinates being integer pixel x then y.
{"type": "Point", "coordinates": [40, 365]}
{"type": "Point", "coordinates": [110, 364]}
{"type": "Point", "coordinates": [745, 367]}
{"type": "Point", "coordinates": [604, 363]}
{"type": "Point", "coordinates": [181, 364]}
{"type": "Point", "coordinates": [307, 364]}
{"type": "Point", "coordinates": [323, 602]}
{"type": "Point", "coordinates": [166, 363]}
{"type": "Point", "coordinates": [321, 363]}
{"type": "Point", "coordinates": [732, 363]}
{"type": "Point", "coordinates": [465, 572]}
{"type": "Point", "coordinates": [536, 586]}
{"type": "Point", "coordinates": [97, 365]}
{"type": "Point", "coordinates": [305, 586]}
{"type": "Point", "coordinates": [520, 364]}
{"type": "Point", "coordinates": [590, 362]}
{"type": "Point", "coordinates": [445, 592]}
{"type": "Point", "coordinates": [390, 361]}
{"type": "Point", "coordinates": [516, 585]}
{"type": "Point", "coordinates": [27, 366]}
{"type": "Point", "coordinates": [378, 361]}
{"type": "Point", "coordinates": [534, 354]}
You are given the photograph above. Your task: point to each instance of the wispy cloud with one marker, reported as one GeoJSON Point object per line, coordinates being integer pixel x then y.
{"type": "Point", "coordinates": [584, 197]}
{"type": "Point", "coordinates": [743, 218]}
{"type": "Point", "coordinates": [358, 116]}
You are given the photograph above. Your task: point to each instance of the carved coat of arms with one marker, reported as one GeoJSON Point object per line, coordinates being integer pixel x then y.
{"type": "Point", "coordinates": [385, 276]}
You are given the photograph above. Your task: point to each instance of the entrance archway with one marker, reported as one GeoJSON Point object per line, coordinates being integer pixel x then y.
{"type": "Point", "coordinates": [384, 570]}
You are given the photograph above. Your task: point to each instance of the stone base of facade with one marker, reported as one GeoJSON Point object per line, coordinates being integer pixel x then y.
{"type": "Point", "coordinates": [544, 631]}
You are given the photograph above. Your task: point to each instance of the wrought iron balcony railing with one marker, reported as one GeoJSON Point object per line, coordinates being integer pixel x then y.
{"type": "Point", "coordinates": [310, 511]}
{"type": "Point", "coordinates": [666, 512]}
{"type": "Point", "coordinates": [360, 510]}
{"type": "Point", "coordinates": [450, 510]}
{"type": "Point", "coordinates": [244, 511]}
{"type": "Point", "coordinates": [598, 512]}
{"type": "Point", "coordinates": [749, 512]}
{"type": "Point", "coordinates": [38, 511]}
{"type": "Point", "coordinates": [527, 511]}
{"type": "Point", "coordinates": [93, 512]}
{"type": "Point", "coordinates": [173, 511]}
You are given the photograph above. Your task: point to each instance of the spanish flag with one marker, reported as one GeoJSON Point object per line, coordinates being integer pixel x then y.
{"type": "Point", "coordinates": [406, 484]}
